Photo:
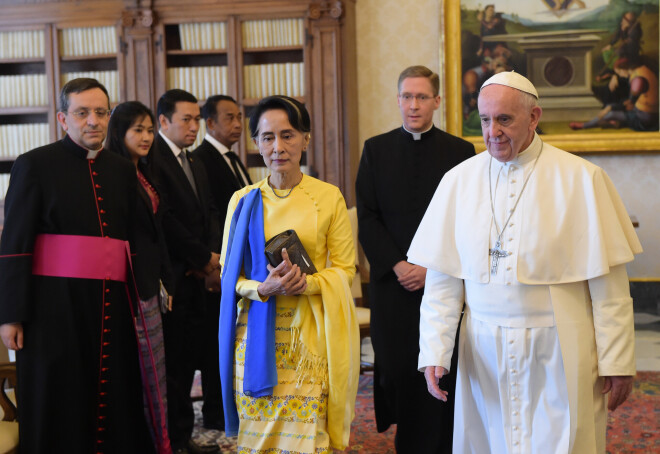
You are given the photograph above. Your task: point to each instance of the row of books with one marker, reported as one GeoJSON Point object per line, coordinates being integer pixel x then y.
{"type": "Point", "coordinates": [203, 36]}
{"type": "Point", "coordinates": [272, 33]}
{"type": "Point", "coordinates": [17, 139]}
{"type": "Point", "coordinates": [109, 79]}
{"type": "Point", "coordinates": [22, 44]}
{"type": "Point", "coordinates": [83, 41]}
{"type": "Point", "coordinates": [79, 41]}
{"type": "Point", "coordinates": [274, 79]}
{"type": "Point", "coordinates": [27, 90]}
{"type": "Point", "coordinates": [201, 81]}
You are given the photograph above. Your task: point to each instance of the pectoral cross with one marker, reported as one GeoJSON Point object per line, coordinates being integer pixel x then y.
{"type": "Point", "coordinates": [497, 253]}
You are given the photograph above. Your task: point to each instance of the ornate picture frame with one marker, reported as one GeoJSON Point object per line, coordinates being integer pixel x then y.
{"type": "Point", "coordinates": [578, 141]}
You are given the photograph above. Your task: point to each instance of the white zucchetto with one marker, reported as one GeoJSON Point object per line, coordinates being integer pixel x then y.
{"type": "Point", "coordinates": [514, 80]}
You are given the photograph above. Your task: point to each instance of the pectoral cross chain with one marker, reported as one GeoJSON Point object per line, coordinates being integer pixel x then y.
{"type": "Point", "coordinates": [497, 253]}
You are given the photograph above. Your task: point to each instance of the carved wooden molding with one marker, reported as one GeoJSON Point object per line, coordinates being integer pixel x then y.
{"type": "Point", "coordinates": [138, 18]}
{"type": "Point", "coordinates": [138, 4]}
{"type": "Point", "coordinates": [36, 2]}
{"type": "Point", "coordinates": [333, 9]}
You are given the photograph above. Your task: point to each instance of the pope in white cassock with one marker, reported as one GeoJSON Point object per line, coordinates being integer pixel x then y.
{"type": "Point", "coordinates": [535, 241]}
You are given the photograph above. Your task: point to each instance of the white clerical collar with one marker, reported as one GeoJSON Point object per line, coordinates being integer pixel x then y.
{"type": "Point", "coordinates": [417, 135]}
{"type": "Point", "coordinates": [176, 150]}
{"type": "Point", "coordinates": [218, 146]}
{"type": "Point", "coordinates": [92, 154]}
{"type": "Point", "coordinates": [528, 154]}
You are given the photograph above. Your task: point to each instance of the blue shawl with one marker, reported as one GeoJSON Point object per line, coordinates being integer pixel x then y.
{"type": "Point", "coordinates": [245, 250]}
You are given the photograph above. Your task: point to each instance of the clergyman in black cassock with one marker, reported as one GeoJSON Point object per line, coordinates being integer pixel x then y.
{"type": "Point", "coordinates": [398, 174]}
{"type": "Point", "coordinates": [79, 385]}
{"type": "Point", "coordinates": [79, 388]}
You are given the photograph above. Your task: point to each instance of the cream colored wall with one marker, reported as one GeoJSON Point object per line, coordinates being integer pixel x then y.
{"type": "Point", "coordinates": [394, 34]}
{"type": "Point", "coordinates": [637, 178]}
{"type": "Point", "coordinates": [391, 35]}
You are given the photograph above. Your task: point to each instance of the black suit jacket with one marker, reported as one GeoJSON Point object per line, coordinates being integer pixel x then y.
{"type": "Point", "coordinates": [152, 263]}
{"type": "Point", "coordinates": [222, 180]}
{"type": "Point", "coordinates": [190, 222]}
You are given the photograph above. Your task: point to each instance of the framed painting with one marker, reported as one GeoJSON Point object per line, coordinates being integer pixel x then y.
{"type": "Point", "coordinates": [593, 62]}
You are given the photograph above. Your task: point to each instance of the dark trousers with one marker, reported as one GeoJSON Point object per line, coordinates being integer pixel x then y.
{"type": "Point", "coordinates": [212, 410]}
{"type": "Point", "coordinates": [184, 347]}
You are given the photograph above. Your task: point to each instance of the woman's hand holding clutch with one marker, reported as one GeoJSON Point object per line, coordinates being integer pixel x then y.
{"type": "Point", "coordinates": [284, 279]}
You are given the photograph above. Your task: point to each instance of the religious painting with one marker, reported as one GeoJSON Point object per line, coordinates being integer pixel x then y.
{"type": "Point", "coordinates": [593, 62]}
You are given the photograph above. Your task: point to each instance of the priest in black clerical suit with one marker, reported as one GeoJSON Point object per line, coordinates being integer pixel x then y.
{"type": "Point", "coordinates": [398, 174]}
{"type": "Point", "coordinates": [193, 238]}
{"type": "Point", "coordinates": [224, 125]}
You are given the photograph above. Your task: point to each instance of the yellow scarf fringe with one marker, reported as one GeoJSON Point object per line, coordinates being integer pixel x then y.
{"type": "Point", "coordinates": [309, 367]}
{"type": "Point", "coordinates": [335, 363]}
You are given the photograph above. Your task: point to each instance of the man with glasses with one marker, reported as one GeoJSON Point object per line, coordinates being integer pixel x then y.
{"type": "Point", "coordinates": [398, 174]}
{"type": "Point", "coordinates": [63, 300]}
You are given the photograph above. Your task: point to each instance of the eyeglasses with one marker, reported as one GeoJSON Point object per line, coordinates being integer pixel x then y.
{"type": "Point", "coordinates": [81, 114]}
{"type": "Point", "coordinates": [408, 97]}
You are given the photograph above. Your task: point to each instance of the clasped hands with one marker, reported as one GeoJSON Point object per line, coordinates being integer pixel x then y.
{"type": "Point", "coordinates": [411, 277]}
{"type": "Point", "coordinates": [210, 273]}
{"type": "Point", "coordinates": [283, 279]}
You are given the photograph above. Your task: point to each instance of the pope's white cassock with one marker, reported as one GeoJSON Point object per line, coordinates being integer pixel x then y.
{"type": "Point", "coordinates": [557, 314]}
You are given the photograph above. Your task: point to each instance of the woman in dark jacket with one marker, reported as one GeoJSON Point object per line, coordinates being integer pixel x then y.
{"type": "Point", "coordinates": [131, 135]}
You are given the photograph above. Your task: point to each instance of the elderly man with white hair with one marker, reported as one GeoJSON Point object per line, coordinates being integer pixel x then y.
{"type": "Point", "coordinates": [534, 240]}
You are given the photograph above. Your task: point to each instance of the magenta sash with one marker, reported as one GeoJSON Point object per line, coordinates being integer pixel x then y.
{"type": "Point", "coordinates": [85, 257]}
{"type": "Point", "coordinates": [102, 258]}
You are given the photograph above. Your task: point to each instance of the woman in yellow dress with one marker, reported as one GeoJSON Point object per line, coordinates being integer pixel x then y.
{"type": "Point", "coordinates": [289, 347]}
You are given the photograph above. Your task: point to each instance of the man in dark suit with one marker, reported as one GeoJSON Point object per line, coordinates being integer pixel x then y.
{"type": "Point", "coordinates": [398, 175]}
{"type": "Point", "coordinates": [227, 174]}
{"type": "Point", "coordinates": [193, 240]}
{"type": "Point", "coordinates": [224, 125]}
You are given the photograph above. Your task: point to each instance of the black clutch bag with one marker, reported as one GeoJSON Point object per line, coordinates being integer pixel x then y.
{"type": "Point", "coordinates": [297, 253]}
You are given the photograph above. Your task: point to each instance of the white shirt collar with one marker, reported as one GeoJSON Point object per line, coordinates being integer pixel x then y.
{"type": "Point", "coordinates": [218, 146]}
{"type": "Point", "coordinates": [176, 150]}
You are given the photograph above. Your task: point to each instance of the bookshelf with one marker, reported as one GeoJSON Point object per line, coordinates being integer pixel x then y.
{"type": "Point", "coordinates": [35, 62]}
{"type": "Point", "coordinates": [271, 56]}
{"type": "Point", "coordinates": [196, 58]}
{"type": "Point", "coordinates": [87, 51]}
{"type": "Point", "coordinates": [24, 94]}
{"type": "Point", "coordinates": [244, 48]}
